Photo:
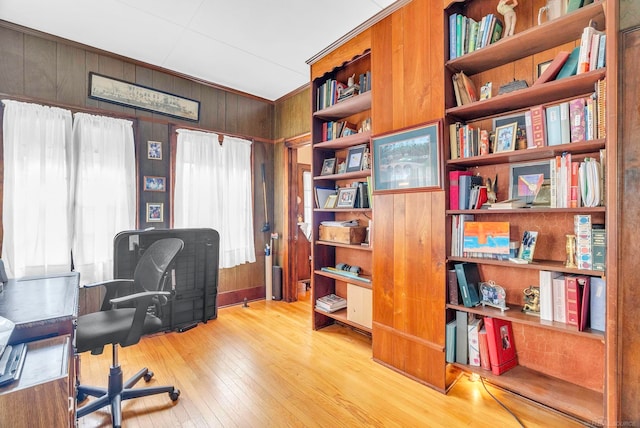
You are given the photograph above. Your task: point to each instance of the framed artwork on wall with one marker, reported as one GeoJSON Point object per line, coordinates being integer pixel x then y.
{"type": "Point", "coordinates": [154, 150]}
{"type": "Point", "coordinates": [154, 184]}
{"type": "Point", "coordinates": [155, 212]}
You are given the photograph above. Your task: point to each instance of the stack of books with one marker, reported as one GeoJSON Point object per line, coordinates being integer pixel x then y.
{"type": "Point", "coordinates": [331, 303]}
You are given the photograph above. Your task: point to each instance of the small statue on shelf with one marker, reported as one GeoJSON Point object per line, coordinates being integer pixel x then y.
{"type": "Point", "coordinates": [505, 8]}
{"type": "Point", "coordinates": [492, 189]}
{"type": "Point", "coordinates": [531, 300]}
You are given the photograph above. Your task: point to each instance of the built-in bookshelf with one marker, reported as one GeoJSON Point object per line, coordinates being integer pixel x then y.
{"type": "Point", "coordinates": [542, 376]}
{"type": "Point", "coordinates": [341, 134]}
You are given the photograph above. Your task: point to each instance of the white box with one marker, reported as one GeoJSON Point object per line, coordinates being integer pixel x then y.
{"type": "Point", "coordinates": [359, 305]}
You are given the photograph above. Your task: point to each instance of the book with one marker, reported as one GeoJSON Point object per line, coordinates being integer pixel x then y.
{"type": "Point", "coordinates": [502, 346]}
{"type": "Point", "coordinates": [468, 282]}
{"type": "Point", "coordinates": [486, 237]}
{"type": "Point", "coordinates": [597, 303]}
{"type": "Point", "coordinates": [454, 147]}
{"type": "Point", "coordinates": [585, 48]}
{"type": "Point", "coordinates": [573, 5]}
{"type": "Point", "coordinates": [599, 248]}
{"type": "Point", "coordinates": [584, 284]}
{"type": "Point", "coordinates": [465, 183]}
{"type": "Point", "coordinates": [572, 300]}
{"type": "Point", "coordinates": [576, 119]}
{"type": "Point", "coordinates": [453, 18]}
{"type": "Point", "coordinates": [483, 346]}
{"type": "Point", "coordinates": [454, 188]}
{"type": "Point", "coordinates": [602, 51]}
{"type": "Point", "coordinates": [593, 52]}
{"type": "Point", "coordinates": [322, 193]}
{"type": "Point", "coordinates": [559, 299]}
{"type": "Point", "coordinates": [472, 336]}
{"type": "Point", "coordinates": [497, 31]}
{"type": "Point", "coordinates": [570, 66]}
{"type": "Point", "coordinates": [554, 135]}
{"type": "Point", "coordinates": [565, 124]}
{"type": "Point", "coordinates": [553, 68]}
{"type": "Point", "coordinates": [452, 287]}
{"type": "Point", "coordinates": [457, 233]}
{"type": "Point", "coordinates": [450, 346]}
{"type": "Point", "coordinates": [546, 294]}
{"type": "Point", "coordinates": [331, 303]}
{"type": "Point", "coordinates": [528, 126]}
{"type": "Point", "coordinates": [462, 342]}
{"type": "Point", "coordinates": [538, 119]}
{"type": "Point", "coordinates": [508, 204]}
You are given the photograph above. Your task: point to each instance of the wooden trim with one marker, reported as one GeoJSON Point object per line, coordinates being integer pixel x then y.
{"type": "Point", "coordinates": [229, 298]}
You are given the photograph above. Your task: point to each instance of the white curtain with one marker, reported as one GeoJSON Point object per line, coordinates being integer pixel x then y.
{"type": "Point", "coordinates": [213, 190]}
{"type": "Point", "coordinates": [36, 234]}
{"type": "Point", "coordinates": [104, 191]}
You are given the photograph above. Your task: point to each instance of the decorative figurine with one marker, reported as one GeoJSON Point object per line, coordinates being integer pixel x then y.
{"type": "Point", "coordinates": [492, 189]}
{"type": "Point", "coordinates": [505, 8]}
{"type": "Point", "coordinates": [531, 300]}
{"type": "Point", "coordinates": [571, 252]}
{"type": "Point", "coordinates": [493, 295]}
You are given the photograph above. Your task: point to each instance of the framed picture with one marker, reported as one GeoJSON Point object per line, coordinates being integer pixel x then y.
{"type": "Point", "coordinates": [506, 137]}
{"type": "Point", "coordinates": [408, 159]}
{"type": "Point", "coordinates": [328, 166]}
{"type": "Point", "coordinates": [331, 202]}
{"type": "Point", "coordinates": [154, 184]}
{"type": "Point", "coordinates": [154, 150]}
{"type": "Point", "coordinates": [118, 91]}
{"type": "Point", "coordinates": [355, 158]}
{"type": "Point", "coordinates": [346, 197]}
{"type": "Point", "coordinates": [530, 182]}
{"type": "Point", "coordinates": [528, 245]}
{"type": "Point", "coordinates": [543, 66]}
{"type": "Point", "coordinates": [519, 118]}
{"type": "Point", "coordinates": [155, 212]}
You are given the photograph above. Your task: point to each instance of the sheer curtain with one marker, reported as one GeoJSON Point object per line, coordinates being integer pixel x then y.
{"type": "Point", "coordinates": [36, 233]}
{"type": "Point", "coordinates": [103, 185]}
{"type": "Point", "coordinates": [213, 189]}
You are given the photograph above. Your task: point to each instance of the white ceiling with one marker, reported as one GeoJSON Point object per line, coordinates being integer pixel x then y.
{"type": "Point", "coordinates": [257, 47]}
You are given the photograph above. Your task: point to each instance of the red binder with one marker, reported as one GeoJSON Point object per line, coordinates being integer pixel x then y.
{"type": "Point", "coordinates": [502, 347]}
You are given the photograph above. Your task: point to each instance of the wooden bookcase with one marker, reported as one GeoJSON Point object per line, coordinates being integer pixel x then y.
{"type": "Point", "coordinates": [326, 253]}
{"type": "Point", "coordinates": [559, 366]}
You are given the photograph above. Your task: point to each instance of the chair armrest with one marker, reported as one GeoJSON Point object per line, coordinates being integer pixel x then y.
{"type": "Point", "coordinates": [137, 296]}
{"type": "Point", "coordinates": [108, 283]}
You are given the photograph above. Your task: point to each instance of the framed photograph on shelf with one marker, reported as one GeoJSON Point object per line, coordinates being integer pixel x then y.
{"type": "Point", "coordinates": [528, 245]}
{"type": "Point", "coordinates": [408, 159]}
{"type": "Point", "coordinates": [531, 182]}
{"type": "Point", "coordinates": [543, 66]}
{"type": "Point", "coordinates": [506, 137]}
{"type": "Point", "coordinates": [519, 118]}
{"type": "Point", "coordinates": [355, 157]}
{"type": "Point", "coordinates": [155, 184]}
{"type": "Point", "coordinates": [331, 202]}
{"type": "Point", "coordinates": [328, 166]}
{"type": "Point", "coordinates": [154, 150]}
{"type": "Point", "coordinates": [155, 212]}
{"type": "Point", "coordinates": [347, 197]}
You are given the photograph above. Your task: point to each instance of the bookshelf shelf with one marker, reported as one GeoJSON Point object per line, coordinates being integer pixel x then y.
{"type": "Point", "coordinates": [515, 314]}
{"type": "Point", "coordinates": [567, 397]}
{"type": "Point", "coordinates": [532, 210]}
{"type": "Point", "coordinates": [552, 265]}
{"type": "Point", "coordinates": [357, 111]}
{"type": "Point", "coordinates": [531, 41]}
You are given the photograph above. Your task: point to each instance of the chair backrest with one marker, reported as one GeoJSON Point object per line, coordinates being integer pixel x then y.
{"type": "Point", "coordinates": [155, 262]}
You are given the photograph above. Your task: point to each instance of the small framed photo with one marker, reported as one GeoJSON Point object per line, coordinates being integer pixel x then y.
{"type": "Point", "coordinates": [530, 182]}
{"type": "Point", "coordinates": [543, 66]}
{"type": "Point", "coordinates": [485, 91]}
{"type": "Point", "coordinates": [506, 137]}
{"type": "Point", "coordinates": [154, 150]}
{"type": "Point", "coordinates": [331, 202]}
{"type": "Point", "coordinates": [355, 158]}
{"type": "Point", "coordinates": [347, 197]}
{"type": "Point", "coordinates": [154, 184]}
{"type": "Point", "coordinates": [155, 212]}
{"type": "Point", "coordinates": [328, 166]}
{"type": "Point", "coordinates": [528, 245]}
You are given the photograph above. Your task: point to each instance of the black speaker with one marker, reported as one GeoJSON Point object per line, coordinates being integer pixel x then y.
{"type": "Point", "coordinates": [276, 280]}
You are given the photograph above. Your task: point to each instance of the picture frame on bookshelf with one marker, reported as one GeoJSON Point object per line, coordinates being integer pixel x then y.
{"type": "Point", "coordinates": [528, 245]}
{"type": "Point", "coordinates": [347, 197]}
{"type": "Point", "coordinates": [408, 159]}
{"type": "Point", "coordinates": [519, 118]}
{"type": "Point", "coordinates": [331, 202]}
{"type": "Point", "coordinates": [543, 66]}
{"type": "Point", "coordinates": [530, 182]}
{"type": "Point", "coordinates": [328, 166]}
{"type": "Point", "coordinates": [506, 137]}
{"type": "Point", "coordinates": [355, 156]}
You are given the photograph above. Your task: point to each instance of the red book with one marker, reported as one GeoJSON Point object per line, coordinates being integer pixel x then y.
{"type": "Point", "coordinates": [553, 69]}
{"type": "Point", "coordinates": [574, 200]}
{"type": "Point", "coordinates": [483, 344]}
{"type": "Point", "coordinates": [454, 188]}
{"type": "Point", "coordinates": [584, 286]}
{"type": "Point", "coordinates": [502, 347]}
{"type": "Point", "coordinates": [538, 118]}
{"type": "Point", "coordinates": [573, 300]}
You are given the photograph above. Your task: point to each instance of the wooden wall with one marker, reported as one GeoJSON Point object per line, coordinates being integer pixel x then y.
{"type": "Point", "coordinates": [39, 68]}
{"type": "Point", "coordinates": [409, 247]}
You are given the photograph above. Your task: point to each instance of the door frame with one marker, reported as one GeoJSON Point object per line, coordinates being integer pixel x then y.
{"type": "Point", "coordinates": [290, 251]}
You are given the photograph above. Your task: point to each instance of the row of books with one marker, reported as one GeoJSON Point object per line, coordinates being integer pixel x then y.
{"type": "Point", "coordinates": [464, 89]}
{"type": "Point", "coordinates": [467, 35]}
{"type": "Point", "coordinates": [340, 129]}
{"type": "Point", "coordinates": [333, 91]}
{"type": "Point", "coordinates": [574, 184]}
{"type": "Point", "coordinates": [576, 120]}
{"type": "Point", "coordinates": [357, 195]}
{"type": "Point", "coordinates": [592, 50]}
{"type": "Point", "coordinates": [484, 342]}
{"type": "Point", "coordinates": [331, 303]}
{"type": "Point", "coordinates": [578, 300]}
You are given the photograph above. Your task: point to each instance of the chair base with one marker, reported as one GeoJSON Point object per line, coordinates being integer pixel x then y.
{"type": "Point", "coordinates": [118, 391]}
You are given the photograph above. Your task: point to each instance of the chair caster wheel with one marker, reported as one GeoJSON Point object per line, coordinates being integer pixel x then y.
{"type": "Point", "coordinates": [174, 394]}
{"type": "Point", "coordinates": [148, 376]}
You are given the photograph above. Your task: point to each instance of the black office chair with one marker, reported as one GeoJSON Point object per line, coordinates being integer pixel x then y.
{"type": "Point", "coordinates": [122, 320]}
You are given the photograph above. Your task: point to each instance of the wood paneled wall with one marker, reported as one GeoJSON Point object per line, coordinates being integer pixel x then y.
{"type": "Point", "coordinates": [40, 68]}
{"type": "Point", "coordinates": [409, 248]}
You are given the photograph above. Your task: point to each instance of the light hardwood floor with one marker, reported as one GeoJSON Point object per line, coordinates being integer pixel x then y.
{"type": "Point", "coordinates": [263, 366]}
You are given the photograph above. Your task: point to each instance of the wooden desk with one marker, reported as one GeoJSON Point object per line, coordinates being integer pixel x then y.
{"type": "Point", "coordinates": [44, 310]}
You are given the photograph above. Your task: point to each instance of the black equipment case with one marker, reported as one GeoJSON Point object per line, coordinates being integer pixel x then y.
{"type": "Point", "coordinates": [195, 289]}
